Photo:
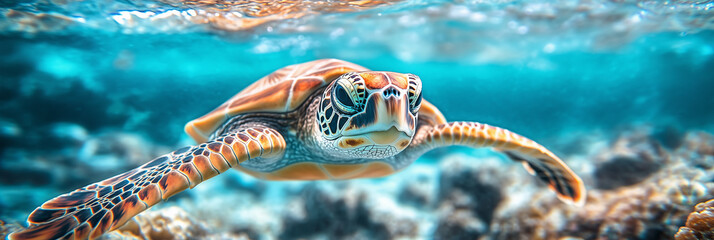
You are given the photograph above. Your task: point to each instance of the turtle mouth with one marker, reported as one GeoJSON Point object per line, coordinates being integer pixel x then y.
{"type": "Point", "coordinates": [391, 131]}
{"type": "Point", "coordinates": [385, 137]}
{"type": "Point", "coordinates": [391, 137]}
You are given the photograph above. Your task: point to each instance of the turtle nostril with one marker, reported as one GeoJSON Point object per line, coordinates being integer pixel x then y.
{"type": "Point", "coordinates": [390, 92]}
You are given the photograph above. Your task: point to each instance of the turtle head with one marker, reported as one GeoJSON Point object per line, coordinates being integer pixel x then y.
{"type": "Point", "coordinates": [369, 114]}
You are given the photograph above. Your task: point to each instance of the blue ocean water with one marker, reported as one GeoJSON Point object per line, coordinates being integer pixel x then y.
{"type": "Point", "coordinates": [77, 73]}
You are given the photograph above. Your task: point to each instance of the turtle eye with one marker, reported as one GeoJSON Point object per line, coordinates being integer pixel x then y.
{"type": "Point", "coordinates": [414, 93]}
{"type": "Point", "coordinates": [415, 103]}
{"type": "Point", "coordinates": [342, 100]}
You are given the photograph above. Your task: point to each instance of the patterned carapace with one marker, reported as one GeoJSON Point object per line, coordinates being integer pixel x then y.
{"type": "Point", "coordinates": [325, 119]}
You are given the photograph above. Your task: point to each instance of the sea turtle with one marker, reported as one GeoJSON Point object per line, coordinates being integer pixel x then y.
{"type": "Point", "coordinates": [325, 119]}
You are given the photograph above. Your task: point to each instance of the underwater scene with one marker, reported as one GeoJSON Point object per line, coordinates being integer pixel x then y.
{"type": "Point", "coordinates": [416, 119]}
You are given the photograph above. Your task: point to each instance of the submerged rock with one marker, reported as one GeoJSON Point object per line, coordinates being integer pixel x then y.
{"type": "Point", "coordinates": [670, 137]}
{"type": "Point", "coordinates": [352, 215]}
{"type": "Point", "coordinates": [468, 197]}
{"type": "Point", "coordinates": [631, 158]}
{"type": "Point", "coordinates": [460, 224]}
{"type": "Point", "coordinates": [417, 194]}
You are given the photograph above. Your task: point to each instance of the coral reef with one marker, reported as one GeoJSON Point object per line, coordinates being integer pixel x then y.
{"type": "Point", "coordinates": [169, 223]}
{"type": "Point", "coordinates": [651, 205]}
{"type": "Point", "coordinates": [353, 215]}
{"type": "Point", "coordinates": [698, 149]}
{"type": "Point", "coordinates": [651, 210]}
{"type": "Point", "coordinates": [638, 188]}
{"type": "Point", "coordinates": [700, 223]}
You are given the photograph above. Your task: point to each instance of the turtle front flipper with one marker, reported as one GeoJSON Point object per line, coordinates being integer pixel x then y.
{"type": "Point", "coordinates": [98, 208]}
{"type": "Point", "coordinates": [535, 158]}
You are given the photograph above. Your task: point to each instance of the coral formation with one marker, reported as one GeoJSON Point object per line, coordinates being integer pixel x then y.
{"type": "Point", "coordinates": [645, 211]}
{"type": "Point", "coordinates": [169, 223]}
{"type": "Point", "coordinates": [638, 188]}
{"type": "Point", "coordinates": [700, 223]}
{"type": "Point", "coordinates": [650, 206]}
{"type": "Point", "coordinates": [352, 215]}
{"type": "Point", "coordinates": [698, 149]}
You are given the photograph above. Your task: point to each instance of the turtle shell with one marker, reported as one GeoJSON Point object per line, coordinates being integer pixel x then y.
{"type": "Point", "coordinates": [281, 91]}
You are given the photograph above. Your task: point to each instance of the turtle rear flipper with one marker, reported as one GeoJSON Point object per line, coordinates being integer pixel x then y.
{"type": "Point", "coordinates": [536, 159]}
{"type": "Point", "coordinates": [107, 205]}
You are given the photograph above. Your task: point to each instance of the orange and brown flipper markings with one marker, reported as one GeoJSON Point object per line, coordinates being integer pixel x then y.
{"type": "Point", "coordinates": [536, 158]}
{"type": "Point", "coordinates": [89, 212]}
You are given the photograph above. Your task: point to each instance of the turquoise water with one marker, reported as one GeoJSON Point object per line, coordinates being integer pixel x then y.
{"type": "Point", "coordinates": [555, 71]}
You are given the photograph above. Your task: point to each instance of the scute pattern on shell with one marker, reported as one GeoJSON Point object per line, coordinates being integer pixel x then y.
{"type": "Point", "coordinates": [281, 91]}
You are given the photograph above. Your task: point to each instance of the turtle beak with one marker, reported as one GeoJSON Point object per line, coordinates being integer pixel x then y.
{"type": "Point", "coordinates": [386, 113]}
